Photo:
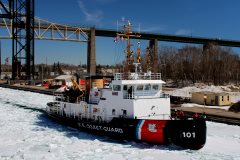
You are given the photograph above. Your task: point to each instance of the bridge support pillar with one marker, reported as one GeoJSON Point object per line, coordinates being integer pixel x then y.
{"type": "Point", "coordinates": [205, 48]}
{"type": "Point", "coordinates": [153, 44]}
{"type": "Point", "coordinates": [208, 46]}
{"type": "Point", "coordinates": [22, 38]}
{"type": "Point", "coordinates": [91, 55]}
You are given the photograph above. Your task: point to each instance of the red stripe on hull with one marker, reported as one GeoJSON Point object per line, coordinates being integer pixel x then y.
{"type": "Point", "coordinates": [152, 131]}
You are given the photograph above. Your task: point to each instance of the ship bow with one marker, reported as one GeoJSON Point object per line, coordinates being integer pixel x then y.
{"type": "Point", "coordinates": [190, 134]}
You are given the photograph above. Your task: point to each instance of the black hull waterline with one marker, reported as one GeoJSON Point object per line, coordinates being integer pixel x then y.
{"type": "Point", "coordinates": [188, 134]}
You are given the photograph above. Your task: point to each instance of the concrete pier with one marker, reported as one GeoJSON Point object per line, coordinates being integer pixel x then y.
{"type": "Point", "coordinates": [91, 53]}
{"type": "Point", "coordinates": [153, 44]}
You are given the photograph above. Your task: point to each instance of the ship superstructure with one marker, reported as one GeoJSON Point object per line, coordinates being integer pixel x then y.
{"type": "Point", "coordinates": [131, 96]}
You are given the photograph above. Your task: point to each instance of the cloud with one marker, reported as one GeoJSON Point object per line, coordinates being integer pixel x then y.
{"type": "Point", "coordinates": [91, 16]}
{"type": "Point", "coordinates": [183, 32]}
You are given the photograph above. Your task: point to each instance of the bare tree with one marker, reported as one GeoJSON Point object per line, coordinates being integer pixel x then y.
{"type": "Point", "coordinates": [211, 64]}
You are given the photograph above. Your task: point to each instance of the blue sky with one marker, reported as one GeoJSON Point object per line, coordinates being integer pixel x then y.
{"type": "Point", "coordinates": [205, 18]}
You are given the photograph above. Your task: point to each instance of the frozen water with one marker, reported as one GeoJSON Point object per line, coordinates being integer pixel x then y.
{"type": "Point", "coordinates": [31, 135]}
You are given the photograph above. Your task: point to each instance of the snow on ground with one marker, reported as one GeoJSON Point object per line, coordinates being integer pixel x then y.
{"type": "Point", "coordinates": [202, 106]}
{"type": "Point", "coordinates": [187, 92]}
{"type": "Point", "coordinates": [27, 134]}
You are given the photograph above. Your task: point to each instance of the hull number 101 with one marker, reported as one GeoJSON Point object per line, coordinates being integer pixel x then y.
{"type": "Point", "coordinates": [189, 134]}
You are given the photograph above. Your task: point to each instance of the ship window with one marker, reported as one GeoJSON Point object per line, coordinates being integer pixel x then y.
{"type": "Point", "coordinates": [116, 87]}
{"type": "Point", "coordinates": [124, 112]}
{"type": "Point", "coordinates": [125, 87]}
{"type": "Point", "coordinates": [113, 112]}
{"type": "Point", "coordinates": [110, 85]}
{"type": "Point", "coordinates": [155, 87]}
{"type": "Point", "coordinates": [147, 87]}
{"type": "Point", "coordinates": [139, 87]}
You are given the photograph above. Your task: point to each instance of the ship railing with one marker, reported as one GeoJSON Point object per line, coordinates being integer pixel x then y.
{"type": "Point", "coordinates": [59, 96]}
{"type": "Point", "coordinates": [145, 93]}
{"type": "Point", "coordinates": [136, 95]}
{"type": "Point", "coordinates": [137, 76]}
{"type": "Point", "coordinates": [163, 95]}
{"type": "Point", "coordinates": [55, 107]}
{"type": "Point", "coordinates": [79, 99]}
{"type": "Point", "coordinates": [94, 114]}
{"type": "Point", "coordinates": [160, 116]}
{"type": "Point", "coordinates": [166, 116]}
{"type": "Point", "coordinates": [73, 112]}
{"type": "Point", "coordinates": [62, 98]}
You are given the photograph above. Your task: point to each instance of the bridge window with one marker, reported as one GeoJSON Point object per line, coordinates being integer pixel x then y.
{"type": "Point", "coordinates": [155, 87]}
{"type": "Point", "coordinates": [147, 87]}
{"type": "Point", "coordinates": [116, 87]}
{"type": "Point", "coordinates": [139, 87]}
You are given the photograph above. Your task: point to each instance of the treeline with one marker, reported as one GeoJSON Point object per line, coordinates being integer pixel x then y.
{"type": "Point", "coordinates": [210, 64]}
{"type": "Point", "coordinates": [47, 70]}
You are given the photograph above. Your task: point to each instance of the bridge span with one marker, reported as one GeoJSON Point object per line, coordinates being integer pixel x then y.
{"type": "Point", "coordinates": [46, 30]}
{"type": "Point", "coordinates": [80, 34]}
{"type": "Point", "coordinates": [174, 38]}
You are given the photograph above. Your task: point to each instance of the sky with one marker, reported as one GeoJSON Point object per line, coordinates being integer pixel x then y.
{"type": "Point", "coordinates": [204, 18]}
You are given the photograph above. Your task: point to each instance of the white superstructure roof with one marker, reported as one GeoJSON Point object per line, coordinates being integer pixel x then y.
{"type": "Point", "coordinates": [137, 82]}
